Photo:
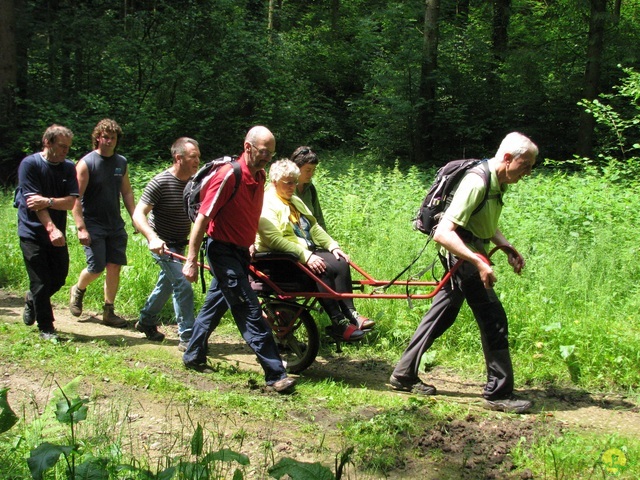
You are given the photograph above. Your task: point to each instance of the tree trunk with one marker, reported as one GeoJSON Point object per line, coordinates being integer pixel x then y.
{"type": "Point", "coordinates": [591, 88]}
{"type": "Point", "coordinates": [617, 6]}
{"type": "Point", "coordinates": [423, 143]}
{"type": "Point", "coordinates": [500, 34]}
{"type": "Point", "coordinates": [8, 56]}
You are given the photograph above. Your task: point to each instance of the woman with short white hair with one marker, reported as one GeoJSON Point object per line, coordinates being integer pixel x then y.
{"type": "Point", "coordinates": [287, 225]}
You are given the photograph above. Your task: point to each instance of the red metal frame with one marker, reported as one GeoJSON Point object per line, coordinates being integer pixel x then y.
{"type": "Point", "coordinates": [367, 281]}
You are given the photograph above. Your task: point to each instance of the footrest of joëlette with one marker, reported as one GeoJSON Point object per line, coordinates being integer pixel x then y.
{"type": "Point", "coordinates": [339, 339]}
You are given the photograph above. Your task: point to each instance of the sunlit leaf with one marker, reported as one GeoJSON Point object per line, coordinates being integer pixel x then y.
{"type": "Point", "coordinates": [567, 350]}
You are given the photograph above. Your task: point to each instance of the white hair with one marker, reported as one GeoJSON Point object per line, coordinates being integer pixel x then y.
{"type": "Point", "coordinates": [284, 168]}
{"type": "Point", "coordinates": [516, 145]}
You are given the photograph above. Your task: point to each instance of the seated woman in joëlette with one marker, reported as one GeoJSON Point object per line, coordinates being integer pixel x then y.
{"type": "Point", "coordinates": [287, 225]}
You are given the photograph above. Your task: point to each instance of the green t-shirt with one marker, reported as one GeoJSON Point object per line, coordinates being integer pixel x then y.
{"type": "Point", "coordinates": [468, 195]}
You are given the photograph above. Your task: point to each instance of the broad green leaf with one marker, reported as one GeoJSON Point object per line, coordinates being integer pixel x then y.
{"type": "Point", "coordinates": [45, 456]}
{"type": "Point", "coordinates": [166, 474]}
{"type": "Point", "coordinates": [92, 469]}
{"type": "Point", "coordinates": [197, 442]}
{"type": "Point", "coordinates": [300, 470]}
{"type": "Point", "coordinates": [237, 475]}
{"type": "Point", "coordinates": [7, 417]}
{"type": "Point", "coordinates": [566, 351]}
{"type": "Point", "coordinates": [73, 413]}
{"type": "Point", "coordinates": [226, 455]}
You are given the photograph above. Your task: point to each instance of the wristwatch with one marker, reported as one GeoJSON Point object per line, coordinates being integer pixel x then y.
{"type": "Point", "coordinates": [51, 202]}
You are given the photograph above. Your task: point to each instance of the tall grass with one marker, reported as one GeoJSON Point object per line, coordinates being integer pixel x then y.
{"type": "Point", "coordinates": [573, 311]}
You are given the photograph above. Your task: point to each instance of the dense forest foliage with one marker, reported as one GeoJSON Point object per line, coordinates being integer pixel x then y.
{"type": "Point", "coordinates": [421, 81]}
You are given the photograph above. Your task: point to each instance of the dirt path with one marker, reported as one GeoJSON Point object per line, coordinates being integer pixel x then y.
{"type": "Point", "coordinates": [152, 420]}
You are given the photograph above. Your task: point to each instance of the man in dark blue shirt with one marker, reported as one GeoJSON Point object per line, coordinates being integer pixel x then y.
{"type": "Point", "coordinates": [47, 188]}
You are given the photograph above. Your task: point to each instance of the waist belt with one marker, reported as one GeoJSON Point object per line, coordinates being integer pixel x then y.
{"type": "Point", "coordinates": [178, 244]}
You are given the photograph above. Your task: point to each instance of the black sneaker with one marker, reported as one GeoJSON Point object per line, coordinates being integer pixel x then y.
{"type": "Point", "coordinates": [182, 346]}
{"type": "Point", "coordinates": [28, 316]}
{"type": "Point", "coordinates": [150, 331]}
{"type": "Point", "coordinates": [415, 386]}
{"type": "Point", "coordinates": [512, 404]}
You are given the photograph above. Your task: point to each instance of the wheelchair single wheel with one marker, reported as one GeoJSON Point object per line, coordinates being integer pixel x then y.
{"type": "Point", "coordinates": [295, 332]}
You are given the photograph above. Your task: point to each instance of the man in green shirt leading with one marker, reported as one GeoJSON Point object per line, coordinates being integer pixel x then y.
{"type": "Point", "coordinates": [466, 236]}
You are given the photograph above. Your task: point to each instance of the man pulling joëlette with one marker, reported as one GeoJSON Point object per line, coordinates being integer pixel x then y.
{"type": "Point", "coordinates": [231, 222]}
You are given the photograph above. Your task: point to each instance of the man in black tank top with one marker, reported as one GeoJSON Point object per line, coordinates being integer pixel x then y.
{"type": "Point", "coordinates": [103, 178]}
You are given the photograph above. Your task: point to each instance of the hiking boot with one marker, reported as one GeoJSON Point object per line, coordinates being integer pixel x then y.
{"type": "Point", "coordinates": [511, 404]}
{"type": "Point", "coordinates": [283, 385]}
{"type": "Point", "coordinates": [49, 335]}
{"type": "Point", "coordinates": [28, 316]}
{"type": "Point", "coordinates": [415, 386]}
{"type": "Point", "coordinates": [150, 331]}
{"type": "Point", "coordinates": [110, 319]}
{"type": "Point", "coordinates": [199, 367]}
{"type": "Point", "coordinates": [75, 302]}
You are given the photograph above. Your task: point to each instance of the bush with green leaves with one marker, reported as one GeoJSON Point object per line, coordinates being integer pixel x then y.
{"type": "Point", "coordinates": [618, 119]}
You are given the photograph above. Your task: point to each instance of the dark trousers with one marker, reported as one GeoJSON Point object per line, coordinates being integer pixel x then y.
{"type": "Point", "coordinates": [47, 268]}
{"type": "Point", "coordinates": [492, 322]}
{"type": "Point", "coordinates": [230, 289]}
{"type": "Point", "coordinates": [338, 277]}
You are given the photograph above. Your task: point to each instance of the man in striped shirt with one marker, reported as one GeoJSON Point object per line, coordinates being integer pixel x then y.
{"type": "Point", "coordinates": [161, 218]}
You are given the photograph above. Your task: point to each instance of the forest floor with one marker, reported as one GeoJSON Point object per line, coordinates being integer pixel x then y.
{"type": "Point", "coordinates": [476, 446]}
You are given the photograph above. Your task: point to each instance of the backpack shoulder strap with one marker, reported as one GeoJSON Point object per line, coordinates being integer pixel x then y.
{"type": "Point", "coordinates": [485, 173]}
{"type": "Point", "coordinates": [237, 172]}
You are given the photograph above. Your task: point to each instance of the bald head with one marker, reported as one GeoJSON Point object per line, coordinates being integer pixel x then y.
{"type": "Point", "coordinates": [259, 148]}
{"type": "Point", "coordinates": [259, 133]}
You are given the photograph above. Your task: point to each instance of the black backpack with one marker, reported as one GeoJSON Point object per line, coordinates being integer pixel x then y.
{"type": "Point", "coordinates": [440, 195]}
{"type": "Point", "coordinates": [191, 194]}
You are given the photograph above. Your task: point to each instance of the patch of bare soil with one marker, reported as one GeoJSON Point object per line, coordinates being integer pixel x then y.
{"type": "Point", "coordinates": [482, 446]}
{"type": "Point", "coordinates": [478, 446]}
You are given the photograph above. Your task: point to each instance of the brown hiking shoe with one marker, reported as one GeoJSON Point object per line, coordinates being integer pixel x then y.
{"type": "Point", "coordinates": [110, 319]}
{"type": "Point", "coordinates": [75, 302]}
{"type": "Point", "coordinates": [150, 331]}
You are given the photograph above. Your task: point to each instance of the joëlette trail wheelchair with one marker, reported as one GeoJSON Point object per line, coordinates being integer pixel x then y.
{"type": "Point", "coordinates": [289, 291]}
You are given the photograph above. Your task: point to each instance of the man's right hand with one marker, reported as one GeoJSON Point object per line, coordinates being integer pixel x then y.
{"type": "Point", "coordinates": [84, 237]}
{"type": "Point", "coordinates": [57, 238]}
{"type": "Point", "coordinates": [190, 271]}
{"type": "Point", "coordinates": [156, 245]}
{"type": "Point", "coordinates": [486, 275]}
